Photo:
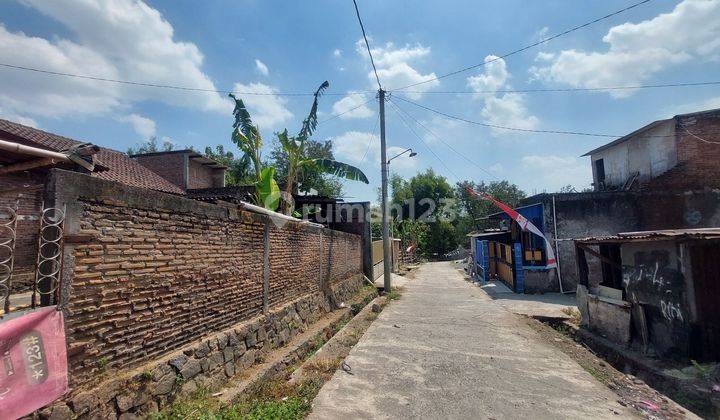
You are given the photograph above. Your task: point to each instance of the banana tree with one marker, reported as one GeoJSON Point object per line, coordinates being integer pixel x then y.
{"type": "Point", "coordinates": [295, 148]}
{"type": "Point", "coordinates": [247, 137]}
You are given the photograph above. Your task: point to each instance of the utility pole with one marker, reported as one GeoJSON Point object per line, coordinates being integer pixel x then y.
{"type": "Point", "coordinates": [387, 250]}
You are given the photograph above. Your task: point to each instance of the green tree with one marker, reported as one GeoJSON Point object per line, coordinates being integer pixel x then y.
{"type": "Point", "coordinates": [247, 137]}
{"type": "Point", "coordinates": [424, 210]}
{"type": "Point", "coordinates": [239, 172]}
{"type": "Point", "coordinates": [151, 146]}
{"type": "Point", "coordinates": [473, 209]}
{"type": "Point", "coordinates": [310, 177]}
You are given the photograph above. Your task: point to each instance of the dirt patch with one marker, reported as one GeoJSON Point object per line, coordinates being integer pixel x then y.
{"type": "Point", "coordinates": [631, 391]}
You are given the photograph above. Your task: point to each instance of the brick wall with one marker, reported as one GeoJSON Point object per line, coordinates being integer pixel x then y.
{"type": "Point", "coordinates": [697, 166]}
{"type": "Point", "coordinates": [24, 190]}
{"type": "Point", "coordinates": [200, 176]}
{"type": "Point", "coordinates": [163, 271]}
{"type": "Point", "coordinates": [170, 166]}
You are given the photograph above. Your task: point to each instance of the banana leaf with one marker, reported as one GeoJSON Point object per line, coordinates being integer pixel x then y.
{"type": "Point", "coordinates": [340, 169]}
{"type": "Point", "coordinates": [267, 189]}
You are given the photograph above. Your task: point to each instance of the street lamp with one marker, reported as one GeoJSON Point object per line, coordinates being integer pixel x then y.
{"type": "Point", "coordinates": [412, 154]}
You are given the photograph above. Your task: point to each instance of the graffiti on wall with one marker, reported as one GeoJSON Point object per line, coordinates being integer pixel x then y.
{"type": "Point", "coordinates": [655, 282]}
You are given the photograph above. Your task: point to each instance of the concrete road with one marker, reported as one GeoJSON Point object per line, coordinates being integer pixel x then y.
{"type": "Point", "coordinates": [447, 350]}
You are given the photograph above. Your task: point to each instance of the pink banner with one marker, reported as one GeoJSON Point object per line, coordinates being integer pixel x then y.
{"type": "Point", "coordinates": [33, 362]}
{"type": "Point", "coordinates": [522, 221]}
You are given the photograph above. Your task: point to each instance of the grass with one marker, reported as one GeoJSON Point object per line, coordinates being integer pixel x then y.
{"type": "Point", "coordinates": [393, 295]}
{"type": "Point", "coordinates": [597, 374]}
{"type": "Point", "coordinates": [272, 399]}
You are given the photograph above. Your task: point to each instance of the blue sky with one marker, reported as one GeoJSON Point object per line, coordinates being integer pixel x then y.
{"type": "Point", "coordinates": [281, 46]}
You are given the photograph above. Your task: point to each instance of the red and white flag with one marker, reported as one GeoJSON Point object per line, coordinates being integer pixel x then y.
{"type": "Point", "coordinates": [523, 222]}
{"type": "Point", "coordinates": [33, 362]}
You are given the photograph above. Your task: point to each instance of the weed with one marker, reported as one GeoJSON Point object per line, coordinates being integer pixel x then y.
{"type": "Point", "coordinates": [702, 371]}
{"type": "Point", "coordinates": [146, 376]}
{"type": "Point", "coordinates": [179, 380]}
{"type": "Point", "coordinates": [103, 363]}
{"type": "Point", "coordinates": [597, 374]}
{"type": "Point", "coordinates": [393, 295]}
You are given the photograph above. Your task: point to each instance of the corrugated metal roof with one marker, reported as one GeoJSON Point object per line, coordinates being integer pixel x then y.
{"type": "Point", "coordinates": [656, 235]}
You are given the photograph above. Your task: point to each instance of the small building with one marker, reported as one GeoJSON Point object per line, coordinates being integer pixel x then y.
{"type": "Point", "coordinates": [676, 153]}
{"type": "Point", "coordinates": [513, 256]}
{"type": "Point", "coordinates": [657, 291]}
{"type": "Point", "coordinates": [664, 175]}
{"type": "Point", "coordinates": [187, 169]}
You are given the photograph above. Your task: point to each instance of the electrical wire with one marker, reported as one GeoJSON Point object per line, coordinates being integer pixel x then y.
{"type": "Point", "coordinates": [367, 44]}
{"type": "Point", "coordinates": [597, 89]}
{"type": "Point", "coordinates": [370, 140]}
{"type": "Point", "coordinates": [527, 47]}
{"type": "Point", "coordinates": [345, 112]}
{"type": "Point", "coordinates": [427, 146]}
{"type": "Point", "coordinates": [462, 155]}
{"type": "Point", "coordinates": [502, 127]}
{"type": "Point", "coordinates": [174, 87]}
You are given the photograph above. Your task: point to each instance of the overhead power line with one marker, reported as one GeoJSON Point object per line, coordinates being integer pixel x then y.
{"type": "Point", "coordinates": [462, 155]}
{"type": "Point", "coordinates": [347, 111]}
{"type": "Point", "coordinates": [427, 146]}
{"type": "Point", "coordinates": [541, 90]}
{"type": "Point", "coordinates": [527, 47]}
{"type": "Point", "coordinates": [367, 44]}
{"type": "Point", "coordinates": [502, 127]}
{"type": "Point", "coordinates": [174, 87]}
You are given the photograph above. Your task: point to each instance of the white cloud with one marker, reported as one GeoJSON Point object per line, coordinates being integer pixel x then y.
{"type": "Point", "coordinates": [123, 39]}
{"type": "Point", "coordinates": [712, 103]}
{"type": "Point", "coordinates": [637, 51]}
{"type": "Point", "coordinates": [261, 68]}
{"type": "Point", "coordinates": [356, 147]}
{"type": "Point", "coordinates": [551, 172]}
{"type": "Point", "coordinates": [8, 115]}
{"type": "Point", "coordinates": [506, 109]}
{"type": "Point", "coordinates": [267, 111]}
{"type": "Point", "coordinates": [337, 53]}
{"type": "Point", "coordinates": [394, 67]}
{"type": "Point", "coordinates": [498, 167]}
{"type": "Point", "coordinates": [352, 101]}
{"type": "Point", "coordinates": [144, 126]}
{"type": "Point", "coordinates": [353, 146]}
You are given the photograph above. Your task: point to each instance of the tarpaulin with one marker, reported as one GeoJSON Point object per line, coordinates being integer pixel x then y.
{"type": "Point", "coordinates": [33, 362]}
{"type": "Point", "coordinates": [523, 222]}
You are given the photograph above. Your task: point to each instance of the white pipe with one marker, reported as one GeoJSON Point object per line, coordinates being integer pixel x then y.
{"type": "Point", "coordinates": [262, 210]}
{"type": "Point", "coordinates": [557, 248]}
{"type": "Point", "coordinates": [29, 150]}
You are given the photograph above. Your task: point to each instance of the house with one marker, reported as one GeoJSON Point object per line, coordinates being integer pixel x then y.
{"type": "Point", "coordinates": [676, 153]}
{"type": "Point", "coordinates": [662, 176]}
{"type": "Point", "coordinates": [657, 291]}
{"type": "Point", "coordinates": [27, 154]}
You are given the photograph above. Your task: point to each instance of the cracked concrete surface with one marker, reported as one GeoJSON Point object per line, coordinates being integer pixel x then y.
{"type": "Point", "coordinates": [447, 350]}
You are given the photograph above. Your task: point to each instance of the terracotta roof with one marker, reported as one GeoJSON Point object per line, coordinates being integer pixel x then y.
{"type": "Point", "coordinates": [120, 167]}
{"type": "Point", "coordinates": [41, 138]}
{"type": "Point", "coordinates": [125, 170]}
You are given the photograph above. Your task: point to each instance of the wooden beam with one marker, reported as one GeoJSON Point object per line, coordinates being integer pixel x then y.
{"type": "Point", "coordinates": [28, 165]}
{"type": "Point", "coordinates": [601, 257]}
